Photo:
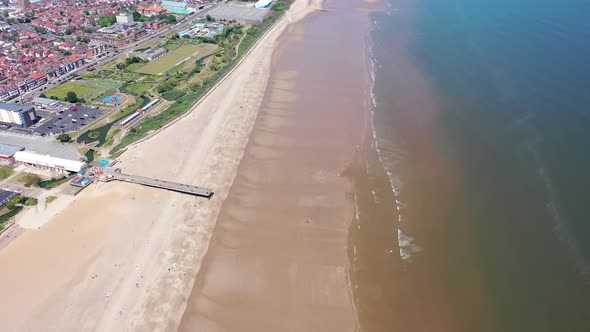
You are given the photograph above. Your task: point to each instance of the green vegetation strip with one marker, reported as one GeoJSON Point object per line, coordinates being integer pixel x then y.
{"type": "Point", "coordinates": [5, 172]}
{"type": "Point", "coordinates": [170, 60]}
{"type": "Point", "coordinates": [88, 137]}
{"type": "Point", "coordinates": [148, 124]}
{"type": "Point", "coordinates": [8, 215]}
{"type": "Point", "coordinates": [53, 183]}
{"type": "Point", "coordinates": [136, 88]}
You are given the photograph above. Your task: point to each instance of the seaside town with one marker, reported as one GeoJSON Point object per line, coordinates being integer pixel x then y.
{"type": "Point", "coordinates": [81, 80]}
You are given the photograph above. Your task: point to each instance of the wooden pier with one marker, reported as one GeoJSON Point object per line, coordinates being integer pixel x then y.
{"type": "Point", "coordinates": [155, 183]}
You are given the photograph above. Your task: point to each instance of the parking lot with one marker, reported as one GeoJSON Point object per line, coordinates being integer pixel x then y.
{"type": "Point", "coordinates": [71, 119]}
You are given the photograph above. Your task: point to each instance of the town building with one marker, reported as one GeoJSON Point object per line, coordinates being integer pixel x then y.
{"type": "Point", "coordinates": [19, 115]}
{"type": "Point", "coordinates": [151, 10]}
{"type": "Point", "coordinates": [203, 30]}
{"type": "Point", "coordinates": [263, 4]}
{"type": "Point", "coordinates": [45, 102]}
{"type": "Point", "coordinates": [156, 24]}
{"type": "Point", "coordinates": [50, 163]}
{"type": "Point", "coordinates": [176, 7]}
{"type": "Point", "coordinates": [96, 50]}
{"type": "Point", "coordinates": [124, 18]}
{"type": "Point", "coordinates": [152, 54]}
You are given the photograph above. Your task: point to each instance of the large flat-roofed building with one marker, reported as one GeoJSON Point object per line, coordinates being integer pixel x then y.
{"type": "Point", "coordinates": [177, 7]}
{"type": "Point", "coordinates": [18, 115]}
{"type": "Point", "coordinates": [7, 152]}
{"type": "Point", "coordinates": [50, 163]}
{"type": "Point", "coordinates": [152, 54]}
{"type": "Point", "coordinates": [45, 102]}
{"type": "Point", "coordinates": [41, 145]}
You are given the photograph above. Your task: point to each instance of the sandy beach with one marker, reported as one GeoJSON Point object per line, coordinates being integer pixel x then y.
{"type": "Point", "coordinates": [123, 257]}
{"type": "Point", "coordinates": [278, 259]}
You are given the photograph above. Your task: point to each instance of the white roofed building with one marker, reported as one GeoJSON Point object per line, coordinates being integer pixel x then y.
{"type": "Point", "coordinates": [50, 163]}
{"type": "Point", "coordinates": [263, 4]}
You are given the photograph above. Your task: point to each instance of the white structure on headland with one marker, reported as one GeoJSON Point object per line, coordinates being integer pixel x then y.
{"type": "Point", "coordinates": [53, 164]}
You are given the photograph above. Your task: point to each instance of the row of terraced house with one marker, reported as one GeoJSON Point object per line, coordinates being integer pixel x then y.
{"type": "Point", "coordinates": [11, 88]}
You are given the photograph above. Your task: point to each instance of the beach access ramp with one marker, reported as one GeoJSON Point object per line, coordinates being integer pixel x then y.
{"type": "Point", "coordinates": [155, 183]}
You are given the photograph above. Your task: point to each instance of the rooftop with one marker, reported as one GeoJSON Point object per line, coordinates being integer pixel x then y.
{"type": "Point", "coordinates": [44, 101]}
{"type": "Point", "coordinates": [174, 4]}
{"type": "Point", "coordinates": [42, 145]}
{"type": "Point", "coordinates": [9, 150]}
{"type": "Point", "coordinates": [15, 107]}
{"type": "Point", "coordinates": [49, 161]}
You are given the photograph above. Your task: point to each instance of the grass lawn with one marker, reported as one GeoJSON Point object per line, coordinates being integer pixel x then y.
{"type": "Point", "coordinates": [175, 57]}
{"type": "Point", "coordinates": [89, 90]}
{"type": "Point", "coordinates": [138, 88]}
{"type": "Point", "coordinates": [28, 179]}
{"type": "Point", "coordinates": [5, 172]}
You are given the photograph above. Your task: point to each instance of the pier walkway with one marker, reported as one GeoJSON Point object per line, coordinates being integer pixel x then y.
{"type": "Point", "coordinates": [145, 181]}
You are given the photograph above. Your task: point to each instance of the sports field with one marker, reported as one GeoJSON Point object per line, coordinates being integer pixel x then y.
{"type": "Point", "coordinates": [89, 90]}
{"type": "Point", "coordinates": [176, 57]}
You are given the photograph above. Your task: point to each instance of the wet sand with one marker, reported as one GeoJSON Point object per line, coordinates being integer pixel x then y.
{"type": "Point", "coordinates": [278, 257]}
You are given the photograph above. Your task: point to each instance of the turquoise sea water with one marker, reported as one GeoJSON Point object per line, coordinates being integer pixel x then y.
{"type": "Point", "coordinates": [473, 210]}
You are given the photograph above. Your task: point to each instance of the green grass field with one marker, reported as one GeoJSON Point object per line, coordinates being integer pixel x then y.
{"type": "Point", "coordinates": [5, 172]}
{"type": "Point", "coordinates": [89, 90]}
{"type": "Point", "coordinates": [138, 88]}
{"type": "Point", "coordinates": [175, 57]}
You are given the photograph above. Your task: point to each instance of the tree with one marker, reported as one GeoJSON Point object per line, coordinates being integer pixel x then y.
{"type": "Point", "coordinates": [71, 97]}
{"type": "Point", "coordinates": [171, 19]}
{"type": "Point", "coordinates": [64, 138]}
{"type": "Point", "coordinates": [136, 15]}
{"type": "Point", "coordinates": [132, 59]}
{"type": "Point", "coordinates": [107, 21]}
{"type": "Point", "coordinates": [39, 29]}
{"type": "Point", "coordinates": [42, 95]}
{"type": "Point", "coordinates": [13, 202]}
{"type": "Point", "coordinates": [87, 29]}
{"type": "Point", "coordinates": [209, 18]}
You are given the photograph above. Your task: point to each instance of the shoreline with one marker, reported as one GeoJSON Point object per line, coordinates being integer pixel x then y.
{"type": "Point", "coordinates": [284, 265]}
{"type": "Point", "coordinates": [122, 256]}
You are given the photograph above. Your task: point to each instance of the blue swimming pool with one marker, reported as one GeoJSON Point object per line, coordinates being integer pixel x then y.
{"type": "Point", "coordinates": [112, 99]}
{"type": "Point", "coordinates": [104, 162]}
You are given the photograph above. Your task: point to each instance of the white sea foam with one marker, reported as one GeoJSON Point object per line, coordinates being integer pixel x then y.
{"type": "Point", "coordinates": [357, 212]}
{"type": "Point", "coordinates": [406, 246]}
{"type": "Point", "coordinates": [561, 229]}
{"type": "Point", "coordinates": [375, 199]}
{"type": "Point", "coordinates": [390, 155]}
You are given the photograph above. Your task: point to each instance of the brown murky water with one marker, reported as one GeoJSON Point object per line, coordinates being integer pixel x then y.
{"type": "Point", "coordinates": [278, 258]}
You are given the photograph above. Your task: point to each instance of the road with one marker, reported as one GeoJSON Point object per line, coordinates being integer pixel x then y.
{"type": "Point", "coordinates": [189, 20]}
